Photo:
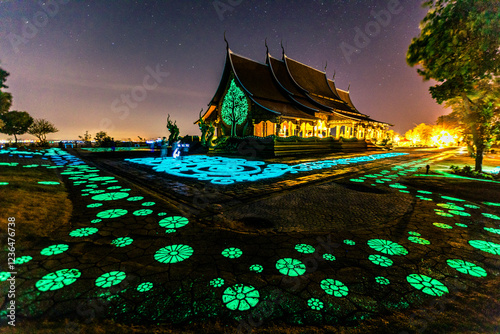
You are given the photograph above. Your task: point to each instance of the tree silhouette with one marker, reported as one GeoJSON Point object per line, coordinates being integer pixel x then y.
{"type": "Point", "coordinates": [234, 107]}
{"type": "Point", "coordinates": [16, 123]}
{"type": "Point", "coordinates": [40, 128]}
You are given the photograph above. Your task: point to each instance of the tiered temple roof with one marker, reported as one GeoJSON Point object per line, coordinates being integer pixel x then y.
{"type": "Point", "coordinates": [288, 89]}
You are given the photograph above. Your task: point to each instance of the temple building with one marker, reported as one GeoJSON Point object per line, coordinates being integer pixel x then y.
{"type": "Point", "coordinates": [286, 98]}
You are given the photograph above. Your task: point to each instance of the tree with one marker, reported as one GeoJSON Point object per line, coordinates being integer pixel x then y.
{"type": "Point", "coordinates": [40, 128]}
{"type": "Point", "coordinates": [459, 48]}
{"type": "Point", "coordinates": [86, 137]}
{"type": "Point", "coordinates": [5, 98]}
{"type": "Point", "coordinates": [234, 107]}
{"type": "Point", "coordinates": [16, 123]}
{"type": "Point", "coordinates": [102, 138]}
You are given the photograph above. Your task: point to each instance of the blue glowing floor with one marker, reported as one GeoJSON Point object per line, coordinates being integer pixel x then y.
{"type": "Point", "coordinates": [221, 170]}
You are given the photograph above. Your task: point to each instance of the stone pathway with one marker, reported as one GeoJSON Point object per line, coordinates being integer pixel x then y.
{"type": "Point", "coordinates": [329, 247]}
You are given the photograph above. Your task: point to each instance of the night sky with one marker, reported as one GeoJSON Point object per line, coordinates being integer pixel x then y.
{"type": "Point", "coordinates": [82, 56]}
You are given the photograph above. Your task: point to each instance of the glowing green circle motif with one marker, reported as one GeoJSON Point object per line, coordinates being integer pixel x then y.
{"type": "Point", "coordinates": [142, 212]}
{"type": "Point", "coordinates": [335, 288]}
{"type": "Point", "coordinates": [83, 232]}
{"type": "Point", "coordinates": [460, 213]}
{"type": "Point", "coordinates": [94, 205]}
{"type": "Point", "coordinates": [49, 183]}
{"type": "Point", "coordinates": [420, 241]}
{"type": "Point", "coordinates": [112, 213]}
{"type": "Point", "coordinates": [492, 216]}
{"type": "Point", "coordinates": [427, 285]}
{"type": "Point", "coordinates": [148, 203]}
{"type": "Point", "coordinates": [173, 222]}
{"type": "Point", "coordinates": [461, 225]}
{"type": "Point", "coordinates": [256, 267]}
{"type": "Point", "coordinates": [101, 178]}
{"type": "Point", "coordinates": [492, 230]}
{"type": "Point", "coordinates": [58, 279]}
{"type": "Point", "coordinates": [4, 275]}
{"type": "Point", "coordinates": [387, 247]}
{"type": "Point", "coordinates": [304, 248]}
{"type": "Point", "coordinates": [122, 241]}
{"type": "Point", "coordinates": [349, 242]}
{"type": "Point", "coordinates": [329, 257]}
{"type": "Point", "coordinates": [443, 225]}
{"type": "Point", "coordinates": [315, 304]}
{"type": "Point", "coordinates": [146, 286]}
{"type": "Point", "coordinates": [95, 221]}
{"type": "Point", "coordinates": [109, 196]}
{"type": "Point", "coordinates": [217, 282]}
{"type": "Point", "coordinates": [290, 267]}
{"type": "Point", "coordinates": [453, 199]}
{"type": "Point", "coordinates": [443, 214]}
{"type": "Point", "coordinates": [382, 280]}
{"type": "Point", "coordinates": [23, 259]}
{"type": "Point", "coordinates": [173, 253]}
{"type": "Point", "coordinates": [381, 260]}
{"type": "Point", "coordinates": [416, 234]}
{"type": "Point", "coordinates": [170, 230]}
{"type": "Point", "coordinates": [472, 206]}
{"type": "Point", "coordinates": [232, 252]}
{"type": "Point", "coordinates": [240, 297]}
{"type": "Point", "coordinates": [486, 246]}
{"type": "Point", "coordinates": [135, 198]}
{"type": "Point", "coordinates": [54, 249]}
{"type": "Point", "coordinates": [109, 279]}
{"type": "Point", "coordinates": [466, 267]}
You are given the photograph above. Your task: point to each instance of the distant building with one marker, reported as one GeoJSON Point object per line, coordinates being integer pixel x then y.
{"type": "Point", "coordinates": [285, 98]}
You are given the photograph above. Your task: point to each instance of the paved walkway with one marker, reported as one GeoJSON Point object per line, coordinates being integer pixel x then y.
{"type": "Point", "coordinates": [331, 246]}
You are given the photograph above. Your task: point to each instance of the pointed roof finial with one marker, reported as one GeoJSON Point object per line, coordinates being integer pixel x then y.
{"type": "Point", "coordinates": [334, 72]}
{"type": "Point", "coordinates": [326, 64]}
{"type": "Point", "coordinates": [349, 87]}
{"type": "Point", "coordinates": [282, 49]}
{"type": "Point", "coordinates": [225, 40]}
{"type": "Point", "coordinates": [267, 48]}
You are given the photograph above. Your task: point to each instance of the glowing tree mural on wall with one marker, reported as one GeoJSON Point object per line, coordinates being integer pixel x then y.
{"type": "Point", "coordinates": [234, 107]}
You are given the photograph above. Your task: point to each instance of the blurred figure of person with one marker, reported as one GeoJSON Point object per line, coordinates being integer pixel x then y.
{"type": "Point", "coordinates": [164, 148]}
{"type": "Point", "coordinates": [113, 144]}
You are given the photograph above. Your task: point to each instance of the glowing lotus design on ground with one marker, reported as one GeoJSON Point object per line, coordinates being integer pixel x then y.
{"type": "Point", "coordinates": [173, 253]}
{"type": "Point", "coordinates": [290, 267]}
{"type": "Point", "coordinates": [58, 279]}
{"type": "Point", "coordinates": [427, 285]}
{"type": "Point", "coordinates": [387, 247]}
{"type": "Point", "coordinates": [240, 297]}
{"type": "Point", "coordinates": [334, 287]}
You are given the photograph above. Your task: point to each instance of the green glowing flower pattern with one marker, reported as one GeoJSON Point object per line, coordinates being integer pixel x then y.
{"type": "Point", "coordinates": [466, 267]}
{"type": "Point", "coordinates": [460, 213]}
{"type": "Point", "coordinates": [95, 221]}
{"type": "Point", "coordinates": [54, 249]}
{"type": "Point", "coordinates": [381, 260]}
{"type": "Point", "coordinates": [162, 214]}
{"type": "Point", "coordinates": [387, 247]}
{"type": "Point", "coordinates": [492, 230]}
{"type": "Point", "coordinates": [290, 267]}
{"type": "Point", "coordinates": [335, 288]}
{"type": "Point", "coordinates": [452, 199]}
{"type": "Point", "coordinates": [304, 248]}
{"type": "Point", "coordinates": [416, 234]}
{"type": "Point", "coordinates": [173, 253]}
{"type": "Point", "coordinates": [109, 279]}
{"type": "Point", "coordinates": [49, 183]}
{"type": "Point", "coordinates": [472, 206]}
{"type": "Point", "coordinates": [144, 287]}
{"type": "Point", "coordinates": [491, 204]}
{"type": "Point", "coordinates": [4, 275]}
{"type": "Point", "coordinates": [23, 259]}
{"type": "Point", "coordinates": [420, 241]}
{"type": "Point", "coordinates": [443, 225]}
{"type": "Point", "coordinates": [217, 282]}
{"type": "Point", "coordinates": [83, 232]}
{"type": "Point", "coordinates": [110, 196]}
{"type": "Point", "coordinates": [427, 285]}
{"type": "Point", "coordinates": [135, 198]}
{"type": "Point", "coordinates": [382, 280]}
{"type": "Point", "coordinates": [94, 205]}
{"type": "Point", "coordinates": [148, 203]}
{"type": "Point", "coordinates": [122, 241]}
{"type": "Point", "coordinates": [349, 242]}
{"type": "Point", "coordinates": [397, 186]}
{"type": "Point", "coordinates": [173, 222]}
{"type": "Point", "coordinates": [329, 257]}
{"type": "Point", "coordinates": [492, 216]}
{"type": "Point", "coordinates": [112, 213]}
{"type": "Point", "coordinates": [443, 214]}
{"type": "Point", "coordinates": [461, 225]}
{"type": "Point", "coordinates": [232, 252]}
{"type": "Point", "coordinates": [424, 192]}
{"type": "Point", "coordinates": [240, 297]}
{"type": "Point", "coordinates": [486, 246]}
{"type": "Point", "coordinates": [170, 230]}
{"type": "Point", "coordinates": [256, 267]}
{"type": "Point", "coordinates": [142, 212]}
{"type": "Point", "coordinates": [315, 304]}
{"type": "Point", "coordinates": [58, 279]}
